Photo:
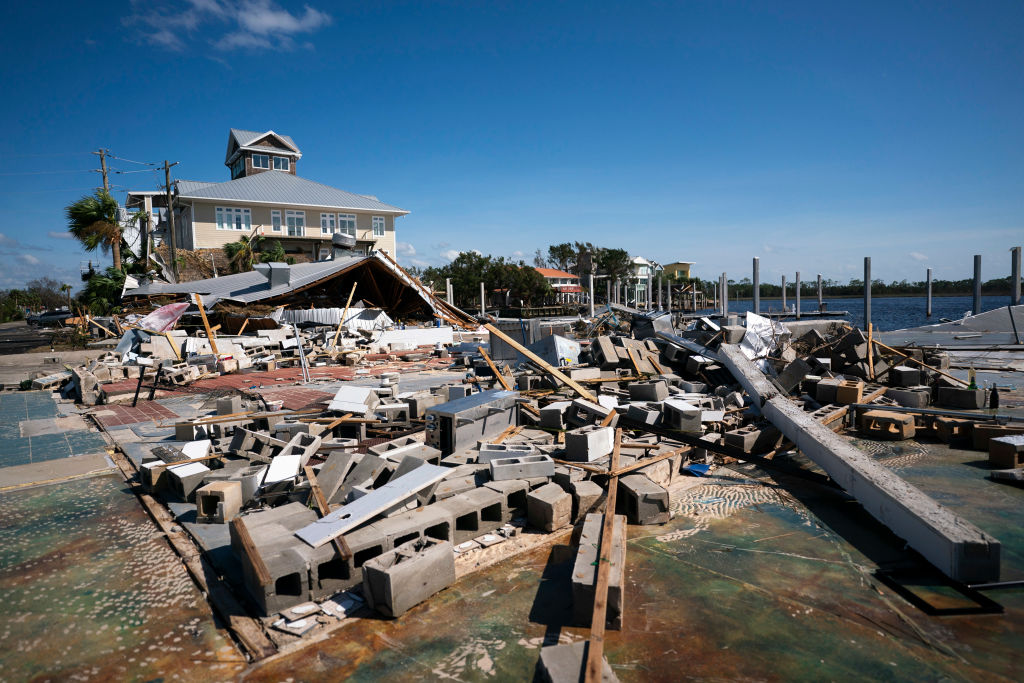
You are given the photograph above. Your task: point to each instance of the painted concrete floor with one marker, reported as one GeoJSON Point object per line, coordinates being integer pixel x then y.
{"type": "Point", "coordinates": [89, 590]}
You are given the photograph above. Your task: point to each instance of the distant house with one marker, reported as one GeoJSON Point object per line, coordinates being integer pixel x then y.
{"type": "Point", "coordinates": [678, 270]}
{"type": "Point", "coordinates": [265, 194]}
{"type": "Point", "coordinates": [566, 285]}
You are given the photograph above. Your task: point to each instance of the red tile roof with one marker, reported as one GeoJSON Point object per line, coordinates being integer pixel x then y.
{"type": "Point", "coordinates": [553, 272]}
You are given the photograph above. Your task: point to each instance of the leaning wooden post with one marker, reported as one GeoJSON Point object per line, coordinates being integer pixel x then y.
{"type": "Point", "coordinates": [344, 314]}
{"type": "Point", "coordinates": [206, 324]}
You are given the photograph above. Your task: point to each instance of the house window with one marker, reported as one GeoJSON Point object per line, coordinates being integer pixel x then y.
{"type": "Point", "coordinates": [281, 164]}
{"type": "Point", "coordinates": [237, 168]}
{"type": "Point", "coordinates": [261, 161]}
{"type": "Point", "coordinates": [275, 220]}
{"type": "Point", "coordinates": [296, 221]}
{"type": "Point", "coordinates": [327, 223]}
{"type": "Point", "coordinates": [378, 226]}
{"type": "Point", "coordinates": [347, 224]}
{"type": "Point", "coordinates": [229, 218]}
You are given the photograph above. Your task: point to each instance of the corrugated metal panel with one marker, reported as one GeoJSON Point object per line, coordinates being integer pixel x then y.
{"type": "Point", "coordinates": [278, 187]}
{"type": "Point", "coordinates": [358, 318]}
{"type": "Point", "coordinates": [251, 286]}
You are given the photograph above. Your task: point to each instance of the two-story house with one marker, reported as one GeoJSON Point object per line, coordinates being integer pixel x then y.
{"type": "Point", "coordinates": [266, 195]}
{"type": "Point", "coordinates": [566, 285]}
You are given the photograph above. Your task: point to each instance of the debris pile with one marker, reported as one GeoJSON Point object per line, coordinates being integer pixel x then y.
{"type": "Point", "coordinates": [386, 497]}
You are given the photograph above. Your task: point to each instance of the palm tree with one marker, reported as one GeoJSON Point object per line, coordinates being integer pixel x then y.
{"type": "Point", "coordinates": [67, 288]}
{"type": "Point", "coordinates": [243, 253]}
{"type": "Point", "coordinates": [93, 221]}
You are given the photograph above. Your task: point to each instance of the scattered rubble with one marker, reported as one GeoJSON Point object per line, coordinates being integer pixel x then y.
{"type": "Point", "coordinates": [379, 498]}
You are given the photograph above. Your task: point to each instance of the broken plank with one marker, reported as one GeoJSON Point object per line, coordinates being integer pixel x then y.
{"type": "Point", "coordinates": [249, 548]}
{"type": "Point", "coordinates": [547, 367]}
{"type": "Point", "coordinates": [321, 504]}
{"type": "Point", "coordinates": [490, 363]}
{"type": "Point", "coordinates": [595, 655]}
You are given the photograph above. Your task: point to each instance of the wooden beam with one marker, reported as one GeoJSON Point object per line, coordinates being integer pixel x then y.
{"type": "Point", "coordinates": [344, 314]}
{"type": "Point", "coordinates": [494, 369]}
{"type": "Point", "coordinates": [340, 544]}
{"type": "Point", "coordinates": [174, 346]}
{"type": "Point", "coordinates": [508, 432]}
{"type": "Point", "coordinates": [871, 357]}
{"type": "Point", "coordinates": [923, 365]}
{"type": "Point", "coordinates": [550, 369]}
{"type": "Point", "coordinates": [594, 672]}
{"type": "Point", "coordinates": [242, 328]}
{"type": "Point", "coordinates": [262, 573]}
{"type": "Point", "coordinates": [206, 324]}
{"type": "Point", "coordinates": [633, 360]}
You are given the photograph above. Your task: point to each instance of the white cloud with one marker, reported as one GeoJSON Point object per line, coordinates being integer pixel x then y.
{"type": "Point", "coordinates": [60, 235]}
{"type": "Point", "coordinates": [6, 241]}
{"type": "Point", "coordinates": [450, 254]}
{"type": "Point", "coordinates": [233, 24]}
{"type": "Point", "coordinates": [918, 256]}
{"type": "Point", "coordinates": [30, 259]}
{"type": "Point", "coordinates": [518, 254]}
{"type": "Point", "coordinates": [262, 17]}
{"type": "Point", "coordinates": [405, 249]}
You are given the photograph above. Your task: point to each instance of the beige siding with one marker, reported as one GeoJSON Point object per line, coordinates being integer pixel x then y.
{"type": "Point", "coordinates": [206, 234]}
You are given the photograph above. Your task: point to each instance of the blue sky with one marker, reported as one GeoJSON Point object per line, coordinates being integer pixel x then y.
{"type": "Point", "coordinates": [809, 134]}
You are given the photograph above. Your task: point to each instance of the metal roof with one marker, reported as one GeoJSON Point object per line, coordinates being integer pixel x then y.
{"type": "Point", "coordinates": [251, 286]}
{"type": "Point", "coordinates": [247, 137]}
{"type": "Point", "coordinates": [279, 187]}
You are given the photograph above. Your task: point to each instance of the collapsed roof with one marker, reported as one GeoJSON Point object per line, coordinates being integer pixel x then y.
{"type": "Point", "coordinates": [379, 281]}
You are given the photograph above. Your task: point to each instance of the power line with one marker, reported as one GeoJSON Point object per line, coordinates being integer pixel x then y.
{"type": "Point", "coordinates": [76, 170]}
{"type": "Point", "coordinates": [141, 170]}
{"type": "Point", "coordinates": [140, 163]}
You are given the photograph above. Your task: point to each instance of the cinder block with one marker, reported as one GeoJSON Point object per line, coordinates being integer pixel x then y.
{"type": "Point", "coordinates": [885, 424]}
{"type": "Point", "coordinates": [682, 415]}
{"type": "Point", "coordinates": [183, 480]}
{"type": "Point", "coordinates": [983, 433]}
{"type": "Point", "coordinates": [951, 428]}
{"type": "Point", "coordinates": [498, 451]}
{"type": "Point", "coordinates": [522, 468]}
{"type": "Point", "coordinates": [585, 494]}
{"type": "Point", "coordinates": [567, 664]}
{"type": "Point", "coordinates": [584, 572]}
{"type": "Point", "coordinates": [398, 580]}
{"type": "Point", "coordinates": [910, 397]}
{"type": "Point", "coordinates": [826, 390]}
{"type": "Point", "coordinates": [849, 391]}
{"type": "Point", "coordinates": [549, 507]}
{"type": "Point", "coordinates": [553, 414]}
{"type": "Point", "coordinates": [514, 492]}
{"type": "Point", "coordinates": [229, 405]}
{"type": "Point", "coordinates": [1006, 452]}
{"type": "Point", "coordinates": [644, 413]}
{"type": "Point", "coordinates": [642, 501]}
{"type": "Point", "coordinates": [218, 502]}
{"type": "Point", "coordinates": [969, 399]}
{"type": "Point", "coordinates": [905, 376]}
{"type": "Point", "coordinates": [655, 390]}
{"type": "Point", "coordinates": [590, 443]}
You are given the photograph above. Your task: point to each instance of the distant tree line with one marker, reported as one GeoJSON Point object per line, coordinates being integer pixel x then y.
{"type": "Point", "coordinates": [517, 282]}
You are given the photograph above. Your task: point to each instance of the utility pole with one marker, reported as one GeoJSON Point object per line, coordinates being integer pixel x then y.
{"type": "Point", "coordinates": [170, 219]}
{"type": "Point", "coordinates": [115, 246]}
